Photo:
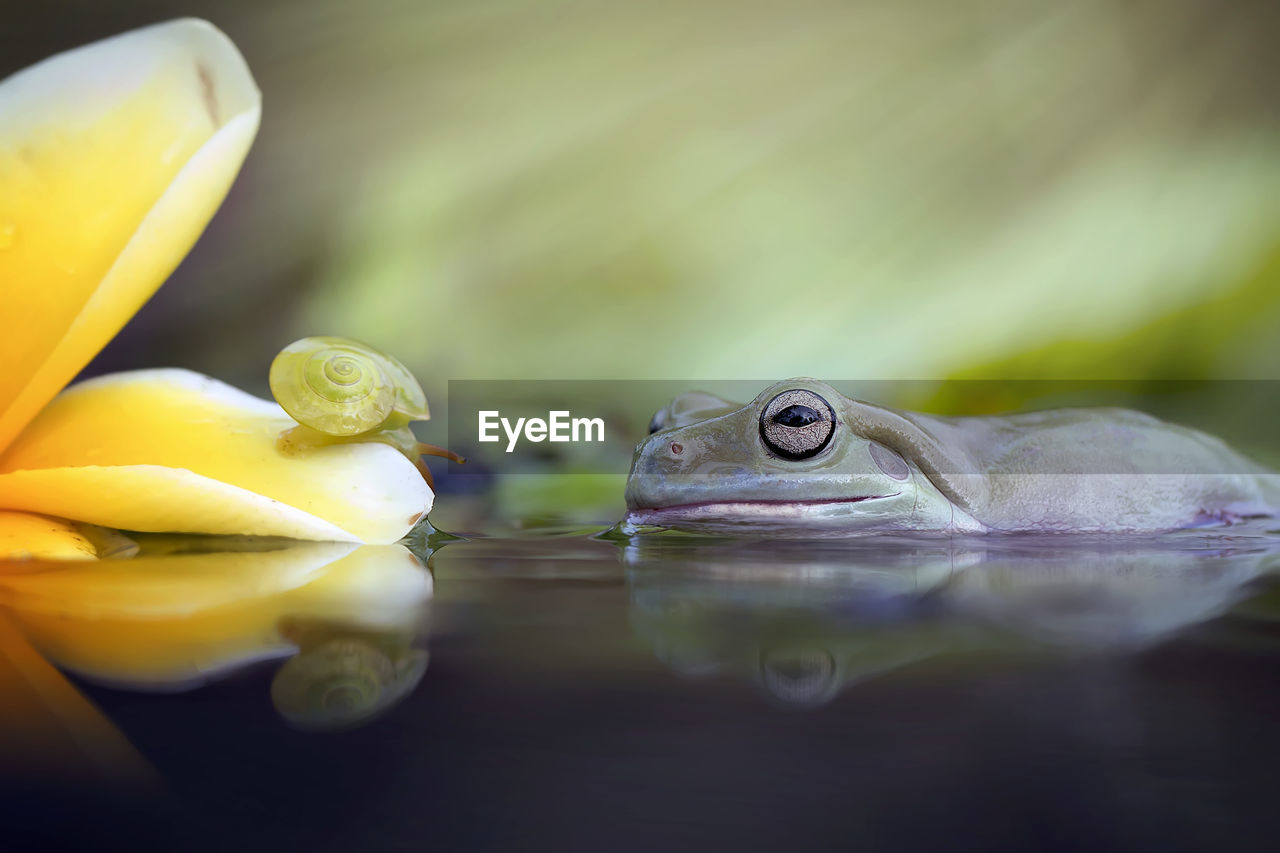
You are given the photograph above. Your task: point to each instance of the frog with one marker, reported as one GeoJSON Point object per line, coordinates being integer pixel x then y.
{"type": "Point", "coordinates": [801, 459]}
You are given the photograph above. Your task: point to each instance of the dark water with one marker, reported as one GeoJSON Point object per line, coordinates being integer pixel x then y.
{"type": "Point", "coordinates": [714, 695]}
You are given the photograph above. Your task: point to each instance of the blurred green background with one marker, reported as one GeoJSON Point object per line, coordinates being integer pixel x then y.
{"type": "Point", "coordinates": [705, 189]}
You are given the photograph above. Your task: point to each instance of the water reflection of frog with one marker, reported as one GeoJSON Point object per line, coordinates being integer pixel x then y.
{"type": "Point", "coordinates": [803, 459]}
{"type": "Point", "coordinates": [805, 623]}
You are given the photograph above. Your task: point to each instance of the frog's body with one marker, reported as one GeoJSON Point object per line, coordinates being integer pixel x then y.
{"type": "Point", "coordinates": [801, 459]}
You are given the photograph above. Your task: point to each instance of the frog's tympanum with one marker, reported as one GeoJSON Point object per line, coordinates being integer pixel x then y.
{"type": "Point", "coordinates": [801, 459]}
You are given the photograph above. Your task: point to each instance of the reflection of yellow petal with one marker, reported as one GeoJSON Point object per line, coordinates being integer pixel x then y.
{"type": "Point", "coordinates": [48, 729]}
{"type": "Point", "coordinates": [24, 536]}
{"type": "Point", "coordinates": [170, 450]}
{"type": "Point", "coordinates": [113, 158]}
{"type": "Point", "coordinates": [375, 586]}
{"type": "Point", "coordinates": [172, 586]}
{"type": "Point", "coordinates": [172, 621]}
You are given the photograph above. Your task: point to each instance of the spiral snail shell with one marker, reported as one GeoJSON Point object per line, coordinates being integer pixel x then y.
{"type": "Point", "coordinates": [342, 387]}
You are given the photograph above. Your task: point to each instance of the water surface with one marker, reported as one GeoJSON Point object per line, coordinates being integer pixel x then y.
{"type": "Point", "coordinates": [571, 692]}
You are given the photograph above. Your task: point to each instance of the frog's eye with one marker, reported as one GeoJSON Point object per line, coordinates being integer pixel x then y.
{"type": "Point", "coordinates": [655, 423]}
{"type": "Point", "coordinates": [797, 424]}
{"type": "Point", "coordinates": [800, 676]}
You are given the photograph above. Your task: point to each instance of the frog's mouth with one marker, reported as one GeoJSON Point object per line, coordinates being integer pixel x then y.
{"type": "Point", "coordinates": [747, 510]}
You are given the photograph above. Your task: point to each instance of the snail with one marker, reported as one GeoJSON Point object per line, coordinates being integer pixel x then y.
{"type": "Point", "coordinates": [343, 683]}
{"type": "Point", "coordinates": [340, 390]}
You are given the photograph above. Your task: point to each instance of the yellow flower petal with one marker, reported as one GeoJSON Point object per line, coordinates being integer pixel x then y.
{"type": "Point", "coordinates": [113, 158]}
{"type": "Point", "coordinates": [171, 450]}
{"type": "Point", "coordinates": [25, 537]}
{"type": "Point", "coordinates": [155, 499]}
{"type": "Point", "coordinates": [171, 622]}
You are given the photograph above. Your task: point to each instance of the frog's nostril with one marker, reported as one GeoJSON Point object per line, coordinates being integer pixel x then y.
{"type": "Point", "coordinates": [677, 449]}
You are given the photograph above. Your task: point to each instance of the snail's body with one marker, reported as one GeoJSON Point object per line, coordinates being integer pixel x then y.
{"type": "Point", "coordinates": [302, 438]}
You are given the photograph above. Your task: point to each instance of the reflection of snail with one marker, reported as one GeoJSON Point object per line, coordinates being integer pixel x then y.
{"type": "Point", "coordinates": [340, 390]}
{"type": "Point", "coordinates": [801, 676]}
{"type": "Point", "coordinates": [343, 683]}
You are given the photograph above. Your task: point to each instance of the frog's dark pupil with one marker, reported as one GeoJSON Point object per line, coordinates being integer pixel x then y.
{"type": "Point", "coordinates": [794, 430]}
{"type": "Point", "coordinates": [655, 424]}
{"type": "Point", "coordinates": [796, 416]}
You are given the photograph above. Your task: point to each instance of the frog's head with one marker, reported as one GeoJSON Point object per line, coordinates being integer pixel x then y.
{"type": "Point", "coordinates": [787, 462]}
